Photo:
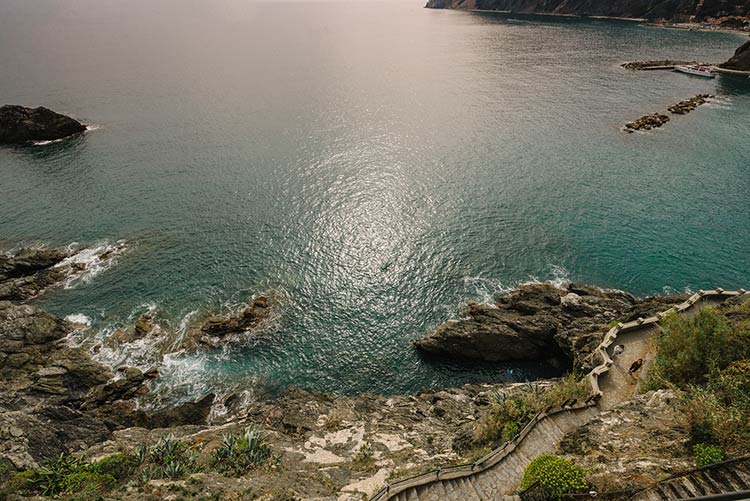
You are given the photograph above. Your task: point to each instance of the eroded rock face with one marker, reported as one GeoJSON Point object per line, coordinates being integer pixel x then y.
{"type": "Point", "coordinates": [19, 125]}
{"type": "Point", "coordinates": [30, 271]}
{"type": "Point", "coordinates": [317, 438]}
{"type": "Point", "coordinates": [636, 443]}
{"type": "Point", "coordinates": [741, 59]}
{"type": "Point", "coordinates": [538, 322]}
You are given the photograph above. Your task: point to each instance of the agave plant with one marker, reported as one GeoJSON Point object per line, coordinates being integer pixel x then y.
{"type": "Point", "coordinates": [142, 454]}
{"type": "Point", "coordinates": [237, 454]}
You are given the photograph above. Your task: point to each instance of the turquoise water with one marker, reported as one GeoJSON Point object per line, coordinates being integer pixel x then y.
{"type": "Point", "coordinates": [374, 164]}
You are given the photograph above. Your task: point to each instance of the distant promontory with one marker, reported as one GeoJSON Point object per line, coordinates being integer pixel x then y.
{"type": "Point", "coordinates": [669, 10]}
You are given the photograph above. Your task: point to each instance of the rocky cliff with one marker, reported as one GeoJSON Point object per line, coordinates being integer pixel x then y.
{"type": "Point", "coordinates": [675, 10]}
{"type": "Point", "coordinates": [741, 59]}
{"type": "Point", "coordinates": [539, 322]}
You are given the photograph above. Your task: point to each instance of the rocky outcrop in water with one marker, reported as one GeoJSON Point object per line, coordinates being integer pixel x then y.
{"type": "Point", "coordinates": [222, 328]}
{"type": "Point", "coordinates": [19, 125]}
{"type": "Point", "coordinates": [741, 59]}
{"type": "Point", "coordinates": [674, 10]}
{"type": "Point", "coordinates": [537, 322]}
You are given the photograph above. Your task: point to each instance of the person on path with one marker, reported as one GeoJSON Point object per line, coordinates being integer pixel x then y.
{"type": "Point", "coordinates": [635, 366]}
{"type": "Point", "coordinates": [617, 351]}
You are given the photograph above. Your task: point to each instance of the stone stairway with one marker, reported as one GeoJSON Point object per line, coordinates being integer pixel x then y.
{"type": "Point", "coordinates": [722, 478]}
{"type": "Point", "coordinates": [457, 489]}
{"type": "Point", "coordinates": [502, 479]}
{"type": "Point", "coordinates": [497, 475]}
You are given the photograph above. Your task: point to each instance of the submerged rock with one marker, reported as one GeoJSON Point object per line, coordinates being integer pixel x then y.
{"type": "Point", "coordinates": [19, 125]}
{"type": "Point", "coordinates": [741, 59]}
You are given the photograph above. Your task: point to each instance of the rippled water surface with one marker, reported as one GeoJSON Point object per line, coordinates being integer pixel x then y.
{"type": "Point", "coordinates": [374, 164]}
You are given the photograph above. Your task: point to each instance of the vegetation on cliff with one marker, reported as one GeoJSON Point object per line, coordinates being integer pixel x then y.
{"type": "Point", "coordinates": [558, 477]}
{"type": "Point", "coordinates": [706, 359]}
{"type": "Point", "coordinates": [509, 413]}
{"type": "Point", "coordinates": [170, 458]}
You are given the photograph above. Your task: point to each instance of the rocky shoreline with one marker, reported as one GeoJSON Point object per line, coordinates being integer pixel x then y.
{"type": "Point", "coordinates": [58, 399]}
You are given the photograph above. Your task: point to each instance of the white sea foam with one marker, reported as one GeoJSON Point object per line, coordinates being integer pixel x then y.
{"type": "Point", "coordinates": [89, 262]}
{"type": "Point", "coordinates": [485, 289]}
{"type": "Point", "coordinates": [79, 319]}
{"type": "Point", "coordinates": [44, 143]}
{"type": "Point", "coordinates": [558, 277]}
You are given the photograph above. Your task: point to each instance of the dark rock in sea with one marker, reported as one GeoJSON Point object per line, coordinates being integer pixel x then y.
{"type": "Point", "coordinates": [19, 125]}
{"type": "Point", "coordinates": [741, 59]}
{"type": "Point", "coordinates": [143, 327]}
{"type": "Point", "coordinates": [538, 322]}
{"type": "Point", "coordinates": [655, 64]}
{"type": "Point", "coordinates": [217, 328]}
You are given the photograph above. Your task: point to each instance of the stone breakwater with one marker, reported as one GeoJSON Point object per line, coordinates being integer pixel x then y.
{"type": "Point", "coordinates": [663, 64]}
{"type": "Point", "coordinates": [688, 105]}
{"type": "Point", "coordinates": [655, 120]}
{"type": "Point", "coordinates": [647, 122]}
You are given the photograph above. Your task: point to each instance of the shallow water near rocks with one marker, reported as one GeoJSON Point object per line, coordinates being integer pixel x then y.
{"type": "Point", "coordinates": [374, 164]}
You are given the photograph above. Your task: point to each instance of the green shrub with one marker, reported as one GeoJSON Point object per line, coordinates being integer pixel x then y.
{"type": "Point", "coordinates": [707, 359]}
{"type": "Point", "coordinates": [557, 476]}
{"type": "Point", "coordinates": [50, 479]}
{"type": "Point", "coordinates": [691, 351]}
{"type": "Point", "coordinates": [170, 458]}
{"type": "Point", "coordinates": [19, 483]}
{"type": "Point", "coordinates": [509, 413]}
{"type": "Point", "coordinates": [510, 430]}
{"type": "Point", "coordinates": [86, 484]}
{"type": "Point", "coordinates": [239, 453]}
{"type": "Point", "coordinates": [364, 459]}
{"type": "Point", "coordinates": [119, 466]}
{"type": "Point", "coordinates": [706, 454]}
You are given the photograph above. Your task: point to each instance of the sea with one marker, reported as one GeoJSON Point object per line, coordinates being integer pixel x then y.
{"type": "Point", "coordinates": [370, 165]}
